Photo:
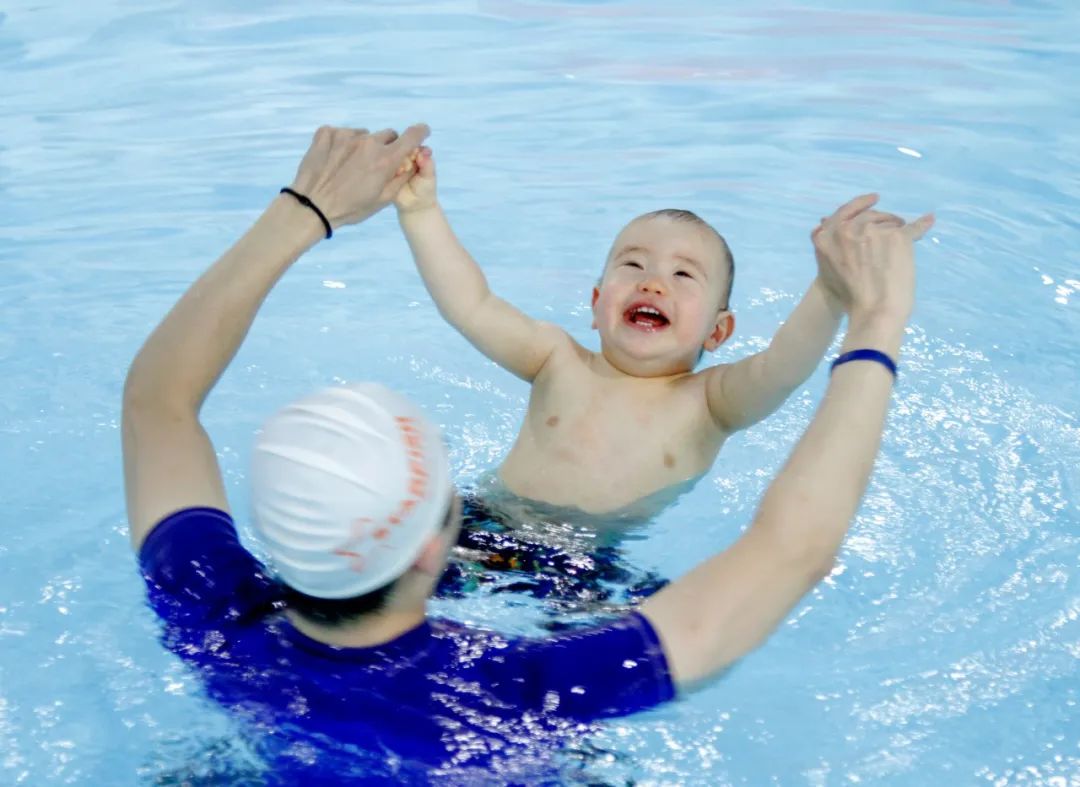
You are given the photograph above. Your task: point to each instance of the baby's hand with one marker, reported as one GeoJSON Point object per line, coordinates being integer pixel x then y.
{"type": "Point", "coordinates": [418, 193]}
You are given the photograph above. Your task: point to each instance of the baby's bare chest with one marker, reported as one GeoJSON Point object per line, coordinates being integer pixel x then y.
{"type": "Point", "coordinates": [597, 423]}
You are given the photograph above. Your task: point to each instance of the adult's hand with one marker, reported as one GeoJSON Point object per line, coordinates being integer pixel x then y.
{"type": "Point", "coordinates": [351, 174]}
{"type": "Point", "coordinates": [866, 258]}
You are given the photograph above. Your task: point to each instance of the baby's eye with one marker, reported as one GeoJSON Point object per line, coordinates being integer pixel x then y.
{"type": "Point", "coordinates": [634, 264]}
{"type": "Point", "coordinates": [687, 274]}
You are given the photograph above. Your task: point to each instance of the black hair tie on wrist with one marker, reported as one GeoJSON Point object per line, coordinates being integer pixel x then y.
{"type": "Point", "coordinates": [309, 204]}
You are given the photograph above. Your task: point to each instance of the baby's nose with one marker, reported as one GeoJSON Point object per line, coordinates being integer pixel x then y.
{"type": "Point", "coordinates": [651, 284]}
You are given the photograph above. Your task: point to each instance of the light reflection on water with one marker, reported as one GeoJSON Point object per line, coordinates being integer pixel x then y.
{"type": "Point", "coordinates": [138, 141]}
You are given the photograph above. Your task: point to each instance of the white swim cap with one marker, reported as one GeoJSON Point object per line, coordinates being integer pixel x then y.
{"type": "Point", "coordinates": [347, 485]}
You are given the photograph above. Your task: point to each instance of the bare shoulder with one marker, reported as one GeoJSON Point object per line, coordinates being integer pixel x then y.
{"type": "Point", "coordinates": [709, 384]}
{"type": "Point", "coordinates": [552, 333]}
{"type": "Point", "coordinates": [564, 348]}
{"type": "Point", "coordinates": [568, 372]}
{"type": "Point", "coordinates": [709, 376]}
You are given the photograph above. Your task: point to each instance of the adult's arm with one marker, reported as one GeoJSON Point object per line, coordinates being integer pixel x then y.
{"type": "Point", "coordinates": [728, 605]}
{"type": "Point", "coordinates": [169, 461]}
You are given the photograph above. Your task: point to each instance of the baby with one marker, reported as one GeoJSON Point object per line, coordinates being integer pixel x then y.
{"type": "Point", "coordinates": [606, 429]}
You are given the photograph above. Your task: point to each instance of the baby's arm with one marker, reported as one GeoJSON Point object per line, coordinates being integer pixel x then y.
{"type": "Point", "coordinates": [743, 393]}
{"type": "Point", "coordinates": [500, 331]}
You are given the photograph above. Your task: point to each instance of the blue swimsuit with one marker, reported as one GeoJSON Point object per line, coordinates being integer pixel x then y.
{"type": "Point", "coordinates": [442, 696]}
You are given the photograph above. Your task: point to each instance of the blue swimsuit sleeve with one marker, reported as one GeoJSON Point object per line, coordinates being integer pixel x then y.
{"type": "Point", "coordinates": [610, 670]}
{"type": "Point", "coordinates": [198, 575]}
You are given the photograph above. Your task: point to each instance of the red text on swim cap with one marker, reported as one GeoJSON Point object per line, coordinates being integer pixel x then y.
{"type": "Point", "coordinates": [416, 490]}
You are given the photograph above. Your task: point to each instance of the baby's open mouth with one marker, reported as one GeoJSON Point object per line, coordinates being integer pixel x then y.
{"type": "Point", "coordinates": [644, 316]}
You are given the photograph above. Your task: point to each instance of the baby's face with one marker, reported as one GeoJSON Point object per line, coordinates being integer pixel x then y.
{"type": "Point", "coordinates": [658, 303]}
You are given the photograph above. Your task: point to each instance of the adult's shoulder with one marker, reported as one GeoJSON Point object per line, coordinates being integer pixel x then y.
{"type": "Point", "coordinates": [199, 574]}
{"type": "Point", "coordinates": [185, 525]}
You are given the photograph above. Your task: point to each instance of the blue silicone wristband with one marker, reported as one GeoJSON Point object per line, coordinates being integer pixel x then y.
{"type": "Point", "coordinates": [866, 355]}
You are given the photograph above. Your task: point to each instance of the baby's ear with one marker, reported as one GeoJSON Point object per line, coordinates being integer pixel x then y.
{"type": "Point", "coordinates": [595, 298]}
{"type": "Point", "coordinates": [721, 332]}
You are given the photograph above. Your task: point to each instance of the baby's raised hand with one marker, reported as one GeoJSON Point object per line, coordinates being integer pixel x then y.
{"type": "Point", "coordinates": [418, 193]}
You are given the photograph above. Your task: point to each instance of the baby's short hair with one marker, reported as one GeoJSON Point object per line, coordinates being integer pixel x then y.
{"type": "Point", "coordinates": [678, 214]}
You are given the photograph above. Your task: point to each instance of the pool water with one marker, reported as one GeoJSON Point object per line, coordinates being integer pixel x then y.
{"type": "Point", "coordinates": [139, 139]}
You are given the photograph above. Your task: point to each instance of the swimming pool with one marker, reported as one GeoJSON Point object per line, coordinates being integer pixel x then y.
{"type": "Point", "coordinates": [138, 140]}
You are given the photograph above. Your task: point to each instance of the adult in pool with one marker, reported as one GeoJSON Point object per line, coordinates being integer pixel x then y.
{"type": "Point", "coordinates": [352, 496]}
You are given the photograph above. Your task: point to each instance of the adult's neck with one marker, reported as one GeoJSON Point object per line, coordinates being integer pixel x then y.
{"type": "Point", "coordinates": [369, 631]}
